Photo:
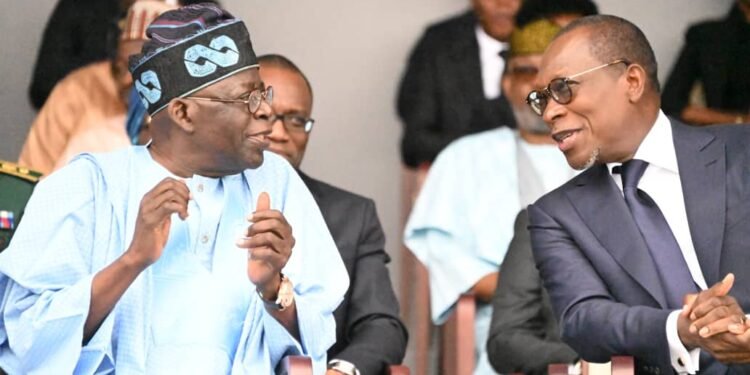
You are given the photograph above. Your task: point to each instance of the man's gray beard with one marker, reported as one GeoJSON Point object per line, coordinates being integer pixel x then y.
{"type": "Point", "coordinates": [530, 121]}
{"type": "Point", "coordinates": [589, 163]}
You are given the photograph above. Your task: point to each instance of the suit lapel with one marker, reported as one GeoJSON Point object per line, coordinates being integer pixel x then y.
{"type": "Point", "coordinates": [701, 158]}
{"type": "Point", "coordinates": [601, 206]}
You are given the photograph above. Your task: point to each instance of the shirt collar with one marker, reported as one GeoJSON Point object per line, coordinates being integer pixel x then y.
{"type": "Point", "coordinates": [487, 44]}
{"type": "Point", "coordinates": [657, 148]}
{"type": "Point", "coordinates": [196, 182]}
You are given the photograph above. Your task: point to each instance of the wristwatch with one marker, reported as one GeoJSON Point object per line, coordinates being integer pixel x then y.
{"type": "Point", "coordinates": [344, 367]}
{"type": "Point", "coordinates": [284, 297]}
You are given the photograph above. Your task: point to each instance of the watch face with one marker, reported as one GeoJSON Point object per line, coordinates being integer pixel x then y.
{"type": "Point", "coordinates": [344, 367]}
{"type": "Point", "coordinates": [285, 296]}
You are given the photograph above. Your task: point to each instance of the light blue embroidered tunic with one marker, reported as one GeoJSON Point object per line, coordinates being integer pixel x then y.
{"type": "Point", "coordinates": [462, 221]}
{"type": "Point", "coordinates": [192, 312]}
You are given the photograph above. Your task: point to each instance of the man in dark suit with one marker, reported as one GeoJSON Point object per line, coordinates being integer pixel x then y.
{"type": "Point", "coordinates": [451, 85]}
{"type": "Point", "coordinates": [660, 213]}
{"type": "Point", "coordinates": [369, 334]}
{"type": "Point", "coordinates": [715, 56]}
{"type": "Point", "coordinates": [524, 335]}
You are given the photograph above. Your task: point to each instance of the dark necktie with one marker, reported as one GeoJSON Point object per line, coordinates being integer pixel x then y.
{"type": "Point", "coordinates": [670, 264]}
{"type": "Point", "coordinates": [504, 54]}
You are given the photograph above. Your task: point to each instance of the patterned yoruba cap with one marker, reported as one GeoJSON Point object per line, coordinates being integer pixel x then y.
{"type": "Point", "coordinates": [189, 48]}
{"type": "Point", "coordinates": [533, 38]}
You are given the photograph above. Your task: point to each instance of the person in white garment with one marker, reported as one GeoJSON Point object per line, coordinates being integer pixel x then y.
{"type": "Point", "coordinates": [462, 221]}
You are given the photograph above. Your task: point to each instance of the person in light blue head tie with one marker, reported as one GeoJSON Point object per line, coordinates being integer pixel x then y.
{"type": "Point", "coordinates": [197, 253]}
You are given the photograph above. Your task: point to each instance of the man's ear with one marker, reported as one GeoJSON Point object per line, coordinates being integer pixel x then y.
{"type": "Point", "coordinates": [636, 80]}
{"type": "Point", "coordinates": [180, 112]}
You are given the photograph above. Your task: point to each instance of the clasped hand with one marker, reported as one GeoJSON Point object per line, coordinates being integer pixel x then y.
{"type": "Point", "coordinates": [715, 322]}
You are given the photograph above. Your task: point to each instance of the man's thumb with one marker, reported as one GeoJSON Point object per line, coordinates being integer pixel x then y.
{"type": "Point", "coordinates": [264, 202]}
{"type": "Point", "coordinates": [726, 284]}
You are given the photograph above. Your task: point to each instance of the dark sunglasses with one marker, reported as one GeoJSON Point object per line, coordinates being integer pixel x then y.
{"type": "Point", "coordinates": [559, 89]}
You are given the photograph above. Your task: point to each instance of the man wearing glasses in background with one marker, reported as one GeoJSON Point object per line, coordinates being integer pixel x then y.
{"type": "Point", "coordinates": [176, 257]}
{"type": "Point", "coordinates": [462, 222]}
{"type": "Point", "coordinates": [659, 214]}
{"type": "Point", "coordinates": [369, 333]}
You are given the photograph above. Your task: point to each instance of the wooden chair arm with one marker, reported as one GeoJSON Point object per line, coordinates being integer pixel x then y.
{"type": "Point", "coordinates": [623, 365]}
{"type": "Point", "coordinates": [458, 338]}
{"type": "Point", "coordinates": [620, 365]}
{"type": "Point", "coordinates": [398, 370]}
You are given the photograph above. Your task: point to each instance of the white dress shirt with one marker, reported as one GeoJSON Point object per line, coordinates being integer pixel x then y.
{"type": "Point", "coordinates": [661, 181]}
{"type": "Point", "coordinates": [492, 64]}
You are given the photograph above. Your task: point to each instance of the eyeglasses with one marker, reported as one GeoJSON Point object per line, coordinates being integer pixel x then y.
{"type": "Point", "coordinates": [559, 89]}
{"type": "Point", "coordinates": [293, 123]}
{"type": "Point", "coordinates": [252, 102]}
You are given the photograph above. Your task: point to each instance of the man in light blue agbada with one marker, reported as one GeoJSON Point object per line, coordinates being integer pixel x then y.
{"type": "Point", "coordinates": [177, 257]}
{"type": "Point", "coordinates": [462, 221]}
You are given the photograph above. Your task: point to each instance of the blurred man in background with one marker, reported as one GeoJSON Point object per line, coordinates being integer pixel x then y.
{"type": "Point", "coordinates": [369, 333]}
{"type": "Point", "coordinates": [450, 85]}
{"type": "Point", "coordinates": [463, 218]}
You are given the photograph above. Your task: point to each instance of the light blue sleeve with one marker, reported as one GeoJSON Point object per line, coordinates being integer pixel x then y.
{"type": "Point", "coordinates": [462, 220]}
{"type": "Point", "coordinates": [46, 275]}
{"type": "Point", "coordinates": [315, 267]}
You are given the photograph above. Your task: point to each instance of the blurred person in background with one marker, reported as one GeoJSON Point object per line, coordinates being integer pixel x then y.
{"type": "Point", "coordinates": [462, 221]}
{"type": "Point", "coordinates": [710, 82]}
{"type": "Point", "coordinates": [86, 111]}
{"type": "Point", "coordinates": [78, 32]}
{"type": "Point", "coordinates": [524, 335]}
{"type": "Point", "coordinates": [369, 333]}
{"type": "Point", "coordinates": [450, 85]}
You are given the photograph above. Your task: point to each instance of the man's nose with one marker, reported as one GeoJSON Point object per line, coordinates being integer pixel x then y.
{"type": "Point", "coordinates": [264, 110]}
{"type": "Point", "coordinates": [553, 111]}
{"type": "Point", "coordinates": [264, 114]}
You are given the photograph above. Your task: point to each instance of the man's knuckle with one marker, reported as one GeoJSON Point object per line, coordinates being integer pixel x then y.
{"type": "Point", "coordinates": [723, 310]}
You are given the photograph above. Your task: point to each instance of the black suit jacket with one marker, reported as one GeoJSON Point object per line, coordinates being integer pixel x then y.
{"type": "Point", "coordinates": [716, 53]}
{"type": "Point", "coordinates": [524, 335]}
{"type": "Point", "coordinates": [369, 333]}
{"type": "Point", "coordinates": [602, 282]}
{"type": "Point", "coordinates": [441, 96]}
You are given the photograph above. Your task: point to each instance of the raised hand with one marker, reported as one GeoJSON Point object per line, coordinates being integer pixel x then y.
{"type": "Point", "coordinates": [168, 197]}
{"type": "Point", "coordinates": [269, 242]}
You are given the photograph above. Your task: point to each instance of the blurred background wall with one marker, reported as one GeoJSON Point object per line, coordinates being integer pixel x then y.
{"type": "Point", "coordinates": [353, 53]}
